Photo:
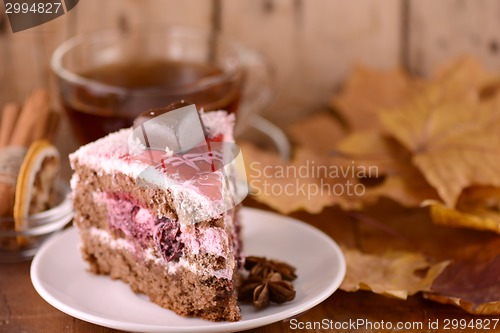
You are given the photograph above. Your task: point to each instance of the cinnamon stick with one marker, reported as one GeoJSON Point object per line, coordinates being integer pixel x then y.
{"type": "Point", "coordinates": [52, 126]}
{"type": "Point", "coordinates": [43, 116]}
{"type": "Point", "coordinates": [6, 201]}
{"type": "Point", "coordinates": [23, 132]}
{"type": "Point", "coordinates": [9, 117]}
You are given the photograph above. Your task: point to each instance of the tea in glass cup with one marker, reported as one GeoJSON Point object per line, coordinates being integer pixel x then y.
{"type": "Point", "coordinates": [106, 79]}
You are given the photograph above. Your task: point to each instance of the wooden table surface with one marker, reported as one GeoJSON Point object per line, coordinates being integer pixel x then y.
{"type": "Point", "coordinates": [23, 310]}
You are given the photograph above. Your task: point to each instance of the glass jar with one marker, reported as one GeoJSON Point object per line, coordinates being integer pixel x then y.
{"type": "Point", "coordinates": [22, 245]}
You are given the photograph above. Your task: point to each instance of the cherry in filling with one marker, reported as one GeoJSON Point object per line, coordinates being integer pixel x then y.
{"type": "Point", "coordinates": [137, 224]}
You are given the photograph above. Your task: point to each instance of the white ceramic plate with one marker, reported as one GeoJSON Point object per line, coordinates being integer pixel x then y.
{"type": "Point", "coordinates": [59, 276]}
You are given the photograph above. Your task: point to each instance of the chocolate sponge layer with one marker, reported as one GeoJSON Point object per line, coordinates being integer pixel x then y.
{"type": "Point", "coordinates": [184, 292]}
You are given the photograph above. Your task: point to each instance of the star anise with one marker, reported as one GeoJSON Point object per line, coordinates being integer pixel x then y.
{"type": "Point", "coordinates": [262, 267]}
{"type": "Point", "coordinates": [262, 291]}
{"type": "Point", "coordinates": [268, 280]}
{"type": "Point", "coordinates": [261, 296]}
{"type": "Point", "coordinates": [280, 291]}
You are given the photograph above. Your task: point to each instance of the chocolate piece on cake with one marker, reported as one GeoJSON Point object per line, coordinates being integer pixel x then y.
{"type": "Point", "coordinates": [172, 239]}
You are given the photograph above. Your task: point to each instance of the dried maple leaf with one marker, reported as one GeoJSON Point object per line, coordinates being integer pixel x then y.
{"type": "Point", "coordinates": [308, 182]}
{"type": "Point", "coordinates": [454, 145]}
{"type": "Point", "coordinates": [319, 133]}
{"type": "Point", "coordinates": [369, 148]}
{"type": "Point", "coordinates": [402, 181]}
{"type": "Point", "coordinates": [478, 207]}
{"type": "Point", "coordinates": [492, 308]}
{"type": "Point", "coordinates": [481, 220]}
{"type": "Point", "coordinates": [431, 120]}
{"type": "Point", "coordinates": [396, 274]}
{"type": "Point", "coordinates": [411, 230]}
{"type": "Point", "coordinates": [366, 91]}
{"type": "Point", "coordinates": [472, 285]}
{"type": "Point", "coordinates": [268, 181]}
{"type": "Point", "coordinates": [465, 79]}
{"type": "Point", "coordinates": [370, 153]}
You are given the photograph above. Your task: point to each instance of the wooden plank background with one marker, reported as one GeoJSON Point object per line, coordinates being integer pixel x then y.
{"type": "Point", "coordinates": [440, 30]}
{"type": "Point", "coordinates": [311, 44]}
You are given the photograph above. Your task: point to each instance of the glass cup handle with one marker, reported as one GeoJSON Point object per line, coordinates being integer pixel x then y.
{"type": "Point", "coordinates": [257, 88]}
{"type": "Point", "coordinates": [258, 93]}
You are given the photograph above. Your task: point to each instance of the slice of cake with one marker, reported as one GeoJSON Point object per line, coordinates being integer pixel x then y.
{"type": "Point", "coordinates": [163, 220]}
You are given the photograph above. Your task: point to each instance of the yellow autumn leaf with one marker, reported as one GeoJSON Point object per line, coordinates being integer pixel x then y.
{"type": "Point", "coordinates": [464, 79]}
{"type": "Point", "coordinates": [401, 180]}
{"type": "Point", "coordinates": [394, 274]}
{"type": "Point", "coordinates": [454, 145]}
{"type": "Point", "coordinates": [477, 208]}
{"type": "Point", "coordinates": [319, 133]}
{"type": "Point", "coordinates": [455, 218]}
{"type": "Point", "coordinates": [366, 91]}
{"type": "Point", "coordinates": [309, 182]}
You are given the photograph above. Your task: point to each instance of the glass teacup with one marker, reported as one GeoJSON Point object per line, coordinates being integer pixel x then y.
{"type": "Point", "coordinates": [106, 79]}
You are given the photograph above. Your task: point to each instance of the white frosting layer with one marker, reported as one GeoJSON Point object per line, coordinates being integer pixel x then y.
{"type": "Point", "coordinates": [112, 154]}
{"type": "Point", "coordinates": [109, 153]}
{"type": "Point", "coordinates": [151, 255]}
{"type": "Point", "coordinates": [219, 122]}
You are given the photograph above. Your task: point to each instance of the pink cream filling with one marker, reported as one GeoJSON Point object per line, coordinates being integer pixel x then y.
{"type": "Point", "coordinates": [212, 241]}
{"type": "Point", "coordinates": [127, 216]}
{"type": "Point", "coordinates": [139, 225]}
